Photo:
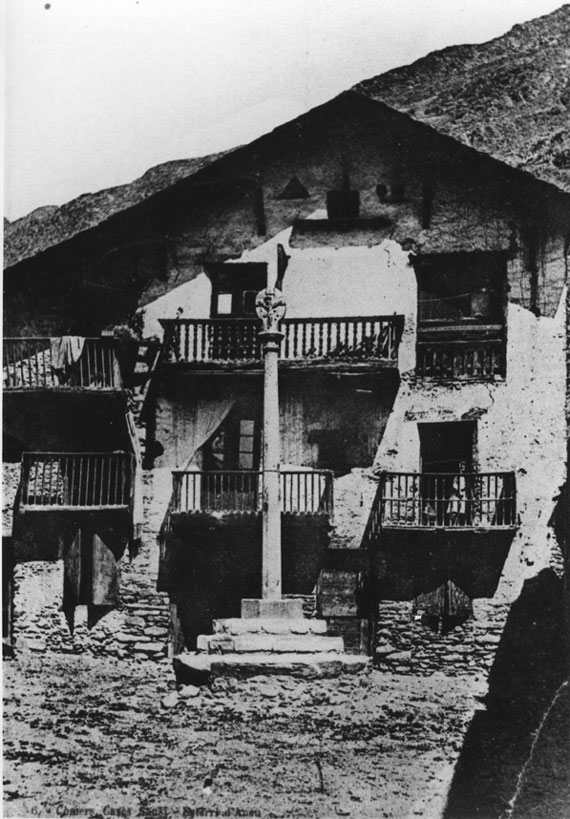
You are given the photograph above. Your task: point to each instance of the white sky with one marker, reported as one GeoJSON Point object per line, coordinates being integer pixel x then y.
{"type": "Point", "coordinates": [98, 91]}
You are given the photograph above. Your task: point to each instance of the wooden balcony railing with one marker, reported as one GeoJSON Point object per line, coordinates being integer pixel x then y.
{"type": "Point", "coordinates": [28, 364]}
{"type": "Point", "coordinates": [363, 338]}
{"type": "Point", "coordinates": [309, 492]}
{"type": "Point", "coordinates": [76, 480]}
{"type": "Point", "coordinates": [461, 359]}
{"type": "Point", "coordinates": [462, 500]}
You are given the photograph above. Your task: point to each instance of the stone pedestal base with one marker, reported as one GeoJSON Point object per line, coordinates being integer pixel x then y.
{"type": "Point", "coordinates": [271, 637]}
{"type": "Point", "coordinates": [272, 609]}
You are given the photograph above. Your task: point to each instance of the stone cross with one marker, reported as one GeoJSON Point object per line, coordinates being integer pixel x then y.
{"type": "Point", "coordinates": [270, 307]}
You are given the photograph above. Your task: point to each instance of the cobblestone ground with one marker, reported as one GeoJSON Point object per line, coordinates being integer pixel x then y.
{"type": "Point", "coordinates": [85, 737]}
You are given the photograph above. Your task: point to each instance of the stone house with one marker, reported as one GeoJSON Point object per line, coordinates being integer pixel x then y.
{"type": "Point", "coordinates": [422, 378]}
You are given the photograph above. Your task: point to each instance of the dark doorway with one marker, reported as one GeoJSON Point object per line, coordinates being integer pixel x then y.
{"type": "Point", "coordinates": [447, 455]}
{"type": "Point", "coordinates": [332, 446]}
{"type": "Point", "coordinates": [447, 447]}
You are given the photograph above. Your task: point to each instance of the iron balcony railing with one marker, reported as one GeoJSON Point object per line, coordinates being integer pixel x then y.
{"type": "Point", "coordinates": [302, 492]}
{"type": "Point", "coordinates": [461, 359]}
{"type": "Point", "coordinates": [457, 500]}
{"type": "Point", "coordinates": [28, 364]}
{"type": "Point", "coordinates": [364, 338]}
{"type": "Point", "coordinates": [76, 480]}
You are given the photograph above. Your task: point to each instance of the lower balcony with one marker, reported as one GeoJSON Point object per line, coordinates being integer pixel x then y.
{"type": "Point", "coordinates": [211, 540]}
{"type": "Point", "coordinates": [483, 500]}
{"type": "Point", "coordinates": [302, 492]}
{"type": "Point", "coordinates": [76, 481]}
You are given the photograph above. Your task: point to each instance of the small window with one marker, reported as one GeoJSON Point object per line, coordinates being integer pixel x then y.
{"type": "Point", "coordinates": [246, 443]}
{"type": "Point", "coordinates": [398, 192]}
{"type": "Point", "coordinates": [343, 204]}
{"type": "Point", "coordinates": [235, 288]}
{"type": "Point", "coordinates": [381, 191]}
{"type": "Point", "coordinates": [224, 304]}
{"type": "Point", "coordinates": [248, 302]}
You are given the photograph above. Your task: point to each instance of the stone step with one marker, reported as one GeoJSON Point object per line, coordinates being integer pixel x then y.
{"type": "Point", "coordinates": [268, 643]}
{"type": "Point", "coordinates": [290, 608]}
{"type": "Point", "coordinates": [258, 625]}
{"type": "Point", "coordinates": [199, 669]}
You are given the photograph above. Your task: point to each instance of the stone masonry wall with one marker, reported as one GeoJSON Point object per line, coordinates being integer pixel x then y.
{"type": "Point", "coordinates": [405, 646]}
{"type": "Point", "coordinates": [139, 628]}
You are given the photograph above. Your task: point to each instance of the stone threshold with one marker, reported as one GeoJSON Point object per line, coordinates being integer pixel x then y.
{"type": "Point", "coordinates": [200, 669]}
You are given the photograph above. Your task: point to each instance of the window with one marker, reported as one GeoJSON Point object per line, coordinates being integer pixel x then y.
{"type": "Point", "coordinates": [224, 302]}
{"type": "Point", "coordinates": [236, 444]}
{"type": "Point", "coordinates": [246, 443]}
{"type": "Point", "coordinates": [398, 192]}
{"type": "Point", "coordinates": [248, 302]}
{"type": "Point", "coordinates": [235, 288]}
{"type": "Point", "coordinates": [461, 288]}
{"type": "Point", "coordinates": [461, 315]}
{"type": "Point", "coordinates": [343, 204]}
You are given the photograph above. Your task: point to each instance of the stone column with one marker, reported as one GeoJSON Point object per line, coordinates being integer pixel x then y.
{"type": "Point", "coordinates": [271, 309]}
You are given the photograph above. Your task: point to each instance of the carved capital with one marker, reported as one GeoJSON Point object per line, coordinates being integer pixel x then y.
{"type": "Point", "coordinates": [270, 307]}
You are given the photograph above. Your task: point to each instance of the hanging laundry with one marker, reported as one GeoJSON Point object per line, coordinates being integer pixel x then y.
{"type": "Point", "coordinates": [65, 353]}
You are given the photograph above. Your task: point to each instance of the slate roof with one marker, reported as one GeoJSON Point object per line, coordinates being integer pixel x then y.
{"type": "Point", "coordinates": [51, 225]}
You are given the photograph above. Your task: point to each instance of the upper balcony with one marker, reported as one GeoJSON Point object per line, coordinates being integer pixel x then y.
{"type": "Point", "coordinates": [43, 364]}
{"type": "Point", "coordinates": [481, 501]}
{"type": "Point", "coordinates": [461, 354]}
{"type": "Point", "coordinates": [462, 300]}
{"type": "Point", "coordinates": [76, 482]}
{"type": "Point", "coordinates": [354, 343]}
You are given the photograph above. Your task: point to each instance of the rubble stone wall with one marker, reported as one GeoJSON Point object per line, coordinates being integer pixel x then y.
{"type": "Point", "coordinates": [139, 628]}
{"type": "Point", "coordinates": [404, 645]}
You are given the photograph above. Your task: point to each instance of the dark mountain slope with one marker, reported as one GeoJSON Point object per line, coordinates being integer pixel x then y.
{"type": "Point", "coordinates": [509, 97]}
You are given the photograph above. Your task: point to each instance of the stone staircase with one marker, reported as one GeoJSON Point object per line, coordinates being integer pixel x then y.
{"type": "Point", "coordinates": [242, 636]}
{"type": "Point", "coordinates": [271, 637]}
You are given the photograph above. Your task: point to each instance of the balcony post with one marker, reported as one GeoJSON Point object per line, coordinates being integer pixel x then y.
{"type": "Point", "coordinates": [270, 307]}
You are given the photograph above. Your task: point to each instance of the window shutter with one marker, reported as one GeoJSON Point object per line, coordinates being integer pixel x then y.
{"type": "Point", "coordinates": [105, 590]}
{"type": "Point", "coordinates": [72, 573]}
